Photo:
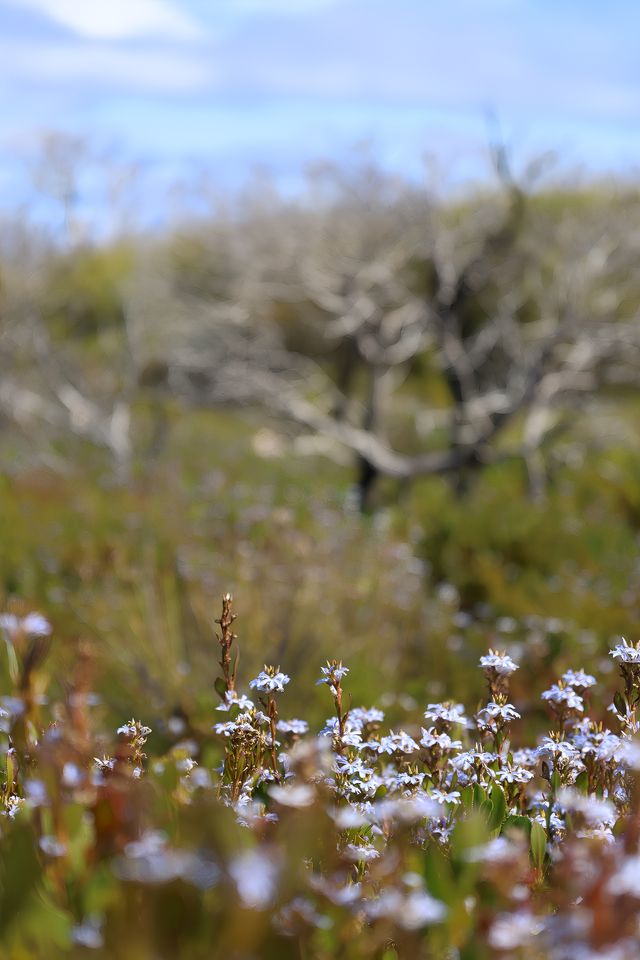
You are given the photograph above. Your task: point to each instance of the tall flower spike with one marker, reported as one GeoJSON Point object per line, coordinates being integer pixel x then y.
{"type": "Point", "coordinates": [227, 682]}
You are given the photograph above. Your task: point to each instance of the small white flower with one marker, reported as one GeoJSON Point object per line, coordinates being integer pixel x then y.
{"type": "Point", "coordinates": [231, 699]}
{"type": "Point", "coordinates": [446, 713]}
{"type": "Point", "coordinates": [626, 652]}
{"type": "Point", "coordinates": [52, 847]}
{"type": "Point", "coordinates": [298, 727]}
{"type": "Point", "coordinates": [34, 624]}
{"type": "Point", "coordinates": [444, 796]}
{"type": "Point", "coordinates": [88, 934]}
{"type": "Point", "coordinates": [255, 874]}
{"type": "Point", "coordinates": [578, 679]}
{"type": "Point", "coordinates": [505, 712]}
{"type": "Point", "coordinates": [498, 663]}
{"type": "Point", "coordinates": [564, 696]}
{"type": "Point", "coordinates": [332, 674]}
{"type": "Point", "coordinates": [364, 852]}
{"type": "Point", "coordinates": [514, 775]}
{"type": "Point", "coordinates": [270, 682]}
{"type": "Point", "coordinates": [399, 742]}
{"type": "Point", "coordinates": [509, 931]}
{"type": "Point", "coordinates": [297, 795]}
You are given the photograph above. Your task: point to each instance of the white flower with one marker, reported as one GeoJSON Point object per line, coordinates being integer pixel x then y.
{"type": "Point", "coordinates": [514, 775]}
{"type": "Point", "coordinates": [431, 738]}
{"type": "Point", "coordinates": [225, 729]}
{"type": "Point", "coordinates": [564, 696]}
{"type": "Point", "coordinates": [504, 712]}
{"type": "Point", "coordinates": [509, 931]}
{"type": "Point", "coordinates": [364, 852]}
{"type": "Point", "coordinates": [133, 729]}
{"type": "Point", "coordinates": [626, 652]}
{"type": "Point", "coordinates": [88, 934]}
{"type": "Point", "coordinates": [498, 663]}
{"type": "Point", "coordinates": [34, 624]}
{"type": "Point", "coordinates": [595, 811]}
{"type": "Point", "coordinates": [578, 679]}
{"type": "Point", "coordinates": [332, 674]}
{"type": "Point", "coordinates": [293, 726]}
{"type": "Point", "coordinates": [268, 682]}
{"type": "Point", "coordinates": [231, 699]}
{"type": "Point", "coordinates": [360, 717]}
{"type": "Point", "coordinates": [627, 879]}
{"type": "Point", "coordinates": [52, 847]}
{"type": "Point", "coordinates": [411, 910]}
{"type": "Point", "coordinates": [297, 795]}
{"type": "Point", "coordinates": [444, 796]}
{"type": "Point", "coordinates": [446, 713]}
{"type": "Point", "coordinates": [399, 742]}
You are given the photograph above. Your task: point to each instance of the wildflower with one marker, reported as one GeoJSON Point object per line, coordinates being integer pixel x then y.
{"type": "Point", "coordinates": [578, 679]}
{"type": "Point", "coordinates": [407, 779]}
{"type": "Point", "coordinates": [297, 727]}
{"type": "Point", "coordinates": [12, 806]}
{"type": "Point", "coordinates": [72, 775]}
{"type": "Point", "coordinates": [231, 699]}
{"type": "Point", "coordinates": [33, 625]}
{"type": "Point", "coordinates": [500, 850]}
{"type": "Point", "coordinates": [626, 652]}
{"type": "Point", "coordinates": [88, 934]}
{"type": "Point", "coordinates": [412, 910]}
{"type": "Point", "coordinates": [564, 698]}
{"type": "Point", "coordinates": [627, 879]}
{"type": "Point", "coordinates": [365, 851]}
{"type": "Point", "coordinates": [270, 680]}
{"type": "Point", "coordinates": [355, 767]}
{"type": "Point", "coordinates": [362, 717]}
{"type": "Point", "coordinates": [514, 775]}
{"type": "Point", "coordinates": [133, 729]}
{"type": "Point", "coordinates": [52, 847]}
{"type": "Point", "coordinates": [595, 811]}
{"type": "Point", "coordinates": [446, 796]}
{"type": "Point", "coordinates": [501, 711]}
{"type": "Point", "coordinates": [255, 873]}
{"type": "Point", "coordinates": [298, 795]}
{"type": "Point", "coordinates": [399, 742]}
{"type": "Point", "coordinates": [332, 673]}
{"type": "Point", "coordinates": [446, 713]}
{"type": "Point", "coordinates": [431, 739]}
{"type": "Point", "coordinates": [498, 663]}
{"type": "Point", "coordinates": [511, 931]}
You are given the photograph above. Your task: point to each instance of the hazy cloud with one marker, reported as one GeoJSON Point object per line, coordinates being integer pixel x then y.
{"type": "Point", "coordinates": [116, 19]}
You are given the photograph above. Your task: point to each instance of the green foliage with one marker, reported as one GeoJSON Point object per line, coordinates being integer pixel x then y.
{"type": "Point", "coordinates": [82, 291]}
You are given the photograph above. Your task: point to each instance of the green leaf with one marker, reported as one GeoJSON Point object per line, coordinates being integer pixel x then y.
{"type": "Point", "coordinates": [620, 703]}
{"type": "Point", "coordinates": [538, 844]}
{"type": "Point", "coordinates": [582, 782]}
{"type": "Point", "coordinates": [220, 687]}
{"type": "Point", "coordinates": [479, 795]}
{"type": "Point", "coordinates": [517, 822]}
{"type": "Point", "coordinates": [19, 873]}
{"type": "Point", "coordinates": [498, 807]}
{"type": "Point", "coordinates": [438, 876]}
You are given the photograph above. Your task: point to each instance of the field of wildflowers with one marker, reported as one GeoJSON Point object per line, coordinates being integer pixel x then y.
{"type": "Point", "coordinates": [241, 831]}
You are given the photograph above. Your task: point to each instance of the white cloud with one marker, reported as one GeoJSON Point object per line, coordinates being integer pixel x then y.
{"type": "Point", "coordinates": [108, 68]}
{"type": "Point", "coordinates": [282, 6]}
{"type": "Point", "coordinates": [116, 19]}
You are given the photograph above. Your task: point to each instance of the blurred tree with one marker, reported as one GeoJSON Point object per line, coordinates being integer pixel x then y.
{"type": "Point", "coordinates": [384, 320]}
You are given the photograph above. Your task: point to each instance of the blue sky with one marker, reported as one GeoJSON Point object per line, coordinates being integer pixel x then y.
{"type": "Point", "coordinates": [231, 85]}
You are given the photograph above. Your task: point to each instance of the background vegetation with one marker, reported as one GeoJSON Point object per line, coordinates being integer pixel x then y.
{"type": "Point", "coordinates": [155, 453]}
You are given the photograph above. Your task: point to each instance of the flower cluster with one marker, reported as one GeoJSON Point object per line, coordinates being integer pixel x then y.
{"type": "Point", "coordinates": [447, 830]}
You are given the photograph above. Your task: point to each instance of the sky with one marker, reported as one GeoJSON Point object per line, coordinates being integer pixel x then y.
{"type": "Point", "coordinates": [226, 87]}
